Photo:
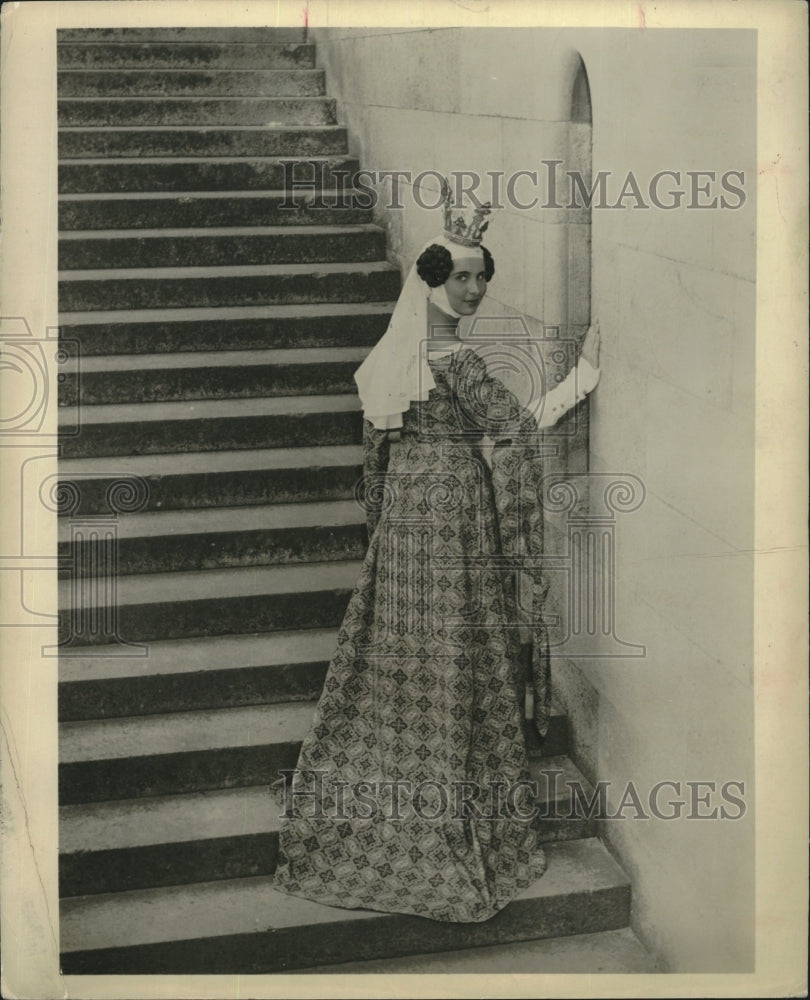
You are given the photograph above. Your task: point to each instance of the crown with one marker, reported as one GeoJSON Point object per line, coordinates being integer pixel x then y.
{"type": "Point", "coordinates": [459, 226]}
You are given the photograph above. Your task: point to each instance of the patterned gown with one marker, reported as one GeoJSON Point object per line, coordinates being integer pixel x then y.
{"type": "Point", "coordinates": [407, 796]}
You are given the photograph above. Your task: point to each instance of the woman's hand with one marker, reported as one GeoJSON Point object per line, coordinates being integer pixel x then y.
{"type": "Point", "coordinates": [591, 345]}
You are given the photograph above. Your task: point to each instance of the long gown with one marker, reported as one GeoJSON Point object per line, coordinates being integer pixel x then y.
{"type": "Point", "coordinates": [425, 687]}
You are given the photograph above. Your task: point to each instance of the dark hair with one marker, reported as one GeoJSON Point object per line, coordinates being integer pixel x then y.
{"type": "Point", "coordinates": [435, 265]}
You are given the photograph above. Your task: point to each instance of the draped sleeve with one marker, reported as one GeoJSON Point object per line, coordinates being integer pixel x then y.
{"type": "Point", "coordinates": [581, 380]}
{"type": "Point", "coordinates": [517, 474]}
{"type": "Point", "coordinates": [489, 406]}
{"type": "Point", "coordinates": [498, 412]}
{"type": "Point", "coordinates": [376, 452]}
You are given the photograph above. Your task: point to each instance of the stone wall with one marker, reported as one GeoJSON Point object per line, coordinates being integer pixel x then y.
{"type": "Point", "coordinates": [674, 293]}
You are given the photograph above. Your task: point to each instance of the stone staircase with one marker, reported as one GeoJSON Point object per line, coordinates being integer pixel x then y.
{"type": "Point", "coordinates": [218, 336]}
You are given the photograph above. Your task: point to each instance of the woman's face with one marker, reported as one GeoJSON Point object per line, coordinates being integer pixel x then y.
{"type": "Point", "coordinates": [466, 285]}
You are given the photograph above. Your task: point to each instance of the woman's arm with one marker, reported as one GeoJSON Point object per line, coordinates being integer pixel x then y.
{"type": "Point", "coordinates": [581, 380]}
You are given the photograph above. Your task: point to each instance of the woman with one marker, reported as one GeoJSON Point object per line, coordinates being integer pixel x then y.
{"type": "Point", "coordinates": [411, 791]}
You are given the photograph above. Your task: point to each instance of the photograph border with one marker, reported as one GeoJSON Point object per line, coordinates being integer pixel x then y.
{"type": "Point", "coordinates": [28, 681]}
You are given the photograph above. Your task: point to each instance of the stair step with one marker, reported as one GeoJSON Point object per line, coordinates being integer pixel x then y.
{"type": "Point", "coordinates": [158, 54]}
{"type": "Point", "coordinates": [144, 378]}
{"type": "Point", "coordinates": [178, 675]}
{"type": "Point", "coordinates": [599, 953]}
{"type": "Point", "coordinates": [187, 752]}
{"type": "Point", "coordinates": [250, 284]}
{"type": "Point", "coordinates": [184, 541]}
{"type": "Point", "coordinates": [208, 602]}
{"type": "Point", "coordinates": [257, 140]}
{"type": "Point", "coordinates": [193, 83]}
{"type": "Point", "coordinates": [142, 843]}
{"type": "Point", "coordinates": [192, 751]}
{"type": "Point", "coordinates": [148, 331]}
{"type": "Point", "coordinates": [166, 747]}
{"type": "Point", "coordinates": [238, 246]}
{"type": "Point", "coordinates": [245, 926]}
{"type": "Point", "coordinates": [175, 210]}
{"type": "Point", "coordinates": [219, 479]}
{"type": "Point", "coordinates": [211, 425]}
{"type": "Point", "coordinates": [123, 112]}
{"type": "Point", "coordinates": [191, 674]}
{"type": "Point", "coordinates": [221, 173]}
{"type": "Point", "coordinates": [233, 36]}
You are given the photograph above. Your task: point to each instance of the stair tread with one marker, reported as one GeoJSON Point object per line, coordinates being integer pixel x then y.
{"type": "Point", "coordinates": [280, 127]}
{"type": "Point", "coordinates": [125, 413]}
{"type": "Point", "coordinates": [287, 36]}
{"type": "Point", "coordinates": [96, 161]}
{"type": "Point", "coordinates": [269, 193]}
{"type": "Point", "coordinates": [188, 70]}
{"type": "Point", "coordinates": [159, 38]}
{"type": "Point", "coordinates": [228, 271]}
{"type": "Point", "coordinates": [207, 231]}
{"type": "Point", "coordinates": [180, 732]}
{"type": "Point", "coordinates": [196, 655]}
{"type": "Point", "coordinates": [232, 812]}
{"type": "Point", "coordinates": [191, 98]}
{"type": "Point", "coordinates": [204, 462]}
{"type": "Point", "coordinates": [250, 581]}
{"type": "Point", "coordinates": [269, 313]}
{"type": "Point", "coordinates": [219, 359]}
{"type": "Point", "coordinates": [251, 905]}
{"type": "Point", "coordinates": [267, 517]}
{"type": "Point", "coordinates": [596, 954]}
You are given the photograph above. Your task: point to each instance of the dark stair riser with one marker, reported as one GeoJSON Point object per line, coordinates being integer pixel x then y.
{"type": "Point", "coordinates": [211, 434]}
{"type": "Point", "coordinates": [212, 251]}
{"type": "Point", "coordinates": [171, 385]}
{"type": "Point", "coordinates": [170, 55]}
{"type": "Point", "coordinates": [89, 873]}
{"type": "Point", "coordinates": [184, 619]}
{"type": "Point", "coordinates": [191, 83]}
{"type": "Point", "coordinates": [288, 142]}
{"type": "Point", "coordinates": [227, 334]}
{"type": "Point", "coordinates": [193, 211]}
{"type": "Point", "coordinates": [391, 935]}
{"type": "Point", "coordinates": [126, 113]}
{"type": "Point", "coordinates": [333, 174]}
{"type": "Point", "coordinates": [205, 770]}
{"type": "Point", "coordinates": [222, 550]}
{"type": "Point", "coordinates": [186, 692]}
{"type": "Point", "coordinates": [246, 487]}
{"type": "Point", "coordinates": [168, 774]}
